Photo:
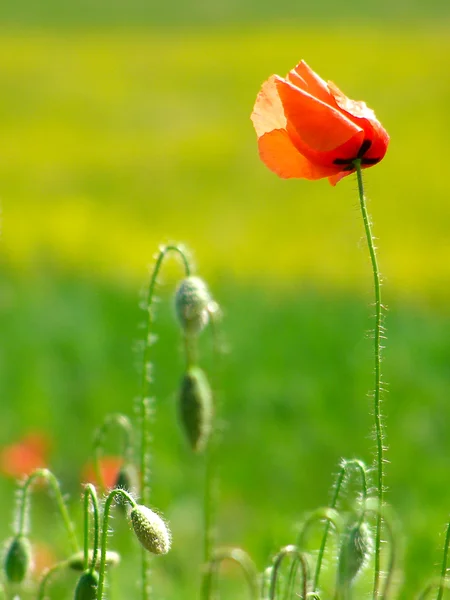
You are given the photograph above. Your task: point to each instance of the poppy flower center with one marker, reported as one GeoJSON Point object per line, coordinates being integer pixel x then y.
{"type": "Point", "coordinates": [347, 163]}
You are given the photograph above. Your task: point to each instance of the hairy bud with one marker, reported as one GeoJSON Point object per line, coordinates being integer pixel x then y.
{"type": "Point", "coordinates": [192, 299]}
{"type": "Point", "coordinates": [150, 530]}
{"type": "Point", "coordinates": [87, 586]}
{"type": "Point", "coordinates": [355, 552]}
{"type": "Point", "coordinates": [17, 559]}
{"type": "Point", "coordinates": [196, 408]}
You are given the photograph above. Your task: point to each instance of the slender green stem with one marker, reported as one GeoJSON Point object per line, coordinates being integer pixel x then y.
{"type": "Point", "coordinates": [208, 529]}
{"type": "Point", "coordinates": [425, 593]}
{"type": "Point", "coordinates": [145, 401]}
{"type": "Point", "coordinates": [122, 422]}
{"type": "Point", "coordinates": [104, 538]}
{"type": "Point", "coordinates": [391, 529]}
{"type": "Point", "coordinates": [46, 578]}
{"type": "Point", "coordinates": [346, 465]}
{"type": "Point", "coordinates": [297, 555]}
{"type": "Point", "coordinates": [49, 478]}
{"type": "Point", "coordinates": [444, 565]}
{"type": "Point", "coordinates": [242, 559]}
{"type": "Point", "coordinates": [377, 383]}
{"type": "Point", "coordinates": [90, 495]}
{"type": "Point", "coordinates": [210, 483]}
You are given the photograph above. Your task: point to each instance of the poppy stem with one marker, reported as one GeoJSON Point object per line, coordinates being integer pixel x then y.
{"type": "Point", "coordinates": [377, 385]}
{"type": "Point", "coordinates": [145, 402]}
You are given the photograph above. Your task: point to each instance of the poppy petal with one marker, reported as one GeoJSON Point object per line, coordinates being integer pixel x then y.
{"type": "Point", "coordinates": [280, 155]}
{"type": "Point", "coordinates": [268, 113]}
{"type": "Point", "coordinates": [318, 125]}
{"type": "Point", "coordinates": [334, 179]}
{"type": "Point", "coordinates": [312, 83]}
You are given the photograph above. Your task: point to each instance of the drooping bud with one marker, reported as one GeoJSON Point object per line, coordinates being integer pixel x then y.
{"type": "Point", "coordinates": [191, 304]}
{"type": "Point", "coordinates": [17, 559]}
{"type": "Point", "coordinates": [355, 552]}
{"type": "Point", "coordinates": [196, 408]}
{"type": "Point", "coordinates": [150, 529]}
{"type": "Point", "coordinates": [87, 586]}
{"type": "Point", "coordinates": [76, 561]}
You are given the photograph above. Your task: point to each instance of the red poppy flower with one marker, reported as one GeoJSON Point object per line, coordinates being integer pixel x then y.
{"type": "Point", "coordinates": [308, 128]}
{"type": "Point", "coordinates": [24, 457]}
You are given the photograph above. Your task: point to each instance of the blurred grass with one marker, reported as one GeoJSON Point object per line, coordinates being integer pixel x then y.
{"type": "Point", "coordinates": [113, 141]}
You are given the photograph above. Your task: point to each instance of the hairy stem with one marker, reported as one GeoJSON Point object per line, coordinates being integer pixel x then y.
{"type": "Point", "coordinates": [104, 541]}
{"type": "Point", "coordinates": [377, 383]}
{"type": "Point", "coordinates": [346, 465]}
{"type": "Point", "coordinates": [444, 565]}
{"type": "Point", "coordinates": [54, 484]}
{"type": "Point", "coordinates": [90, 496]}
{"type": "Point", "coordinates": [122, 422]}
{"type": "Point", "coordinates": [145, 402]}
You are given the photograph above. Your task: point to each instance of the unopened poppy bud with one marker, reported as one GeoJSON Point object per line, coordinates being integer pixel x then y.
{"type": "Point", "coordinates": [150, 530]}
{"type": "Point", "coordinates": [76, 561]}
{"type": "Point", "coordinates": [87, 586]}
{"type": "Point", "coordinates": [196, 408]}
{"type": "Point", "coordinates": [355, 552]}
{"type": "Point", "coordinates": [17, 559]}
{"type": "Point", "coordinates": [192, 299]}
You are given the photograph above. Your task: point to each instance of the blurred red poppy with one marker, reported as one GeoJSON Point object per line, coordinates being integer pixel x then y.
{"type": "Point", "coordinates": [22, 458]}
{"type": "Point", "coordinates": [109, 468]}
{"type": "Point", "coordinates": [308, 128]}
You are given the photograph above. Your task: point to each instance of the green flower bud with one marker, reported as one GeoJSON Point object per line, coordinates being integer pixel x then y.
{"type": "Point", "coordinates": [192, 299]}
{"type": "Point", "coordinates": [356, 548]}
{"type": "Point", "coordinates": [196, 408]}
{"type": "Point", "coordinates": [150, 530]}
{"type": "Point", "coordinates": [17, 559]}
{"type": "Point", "coordinates": [76, 561]}
{"type": "Point", "coordinates": [87, 586]}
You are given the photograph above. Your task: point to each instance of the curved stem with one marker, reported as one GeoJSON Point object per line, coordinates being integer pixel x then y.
{"type": "Point", "coordinates": [46, 578]}
{"type": "Point", "coordinates": [444, 565]}
{"type": "Point", "coordinates": [432, 584]}
{"type": "Point", "coordinates": [105, 527]}
{"type": "Point", "coordinates": [54, 484]}
{"type": "Point", "coordinates": [145, 402]}
{"type": "Point", "coordinates": [345, 467]}
{"type": "Point", "coordinates": [391, 527]}
{"type": "Point", "coordinates": [124, 424]}
{"type": "Point", "coordinates": [295, 552]}
{"type": "Point", "coordinates": [242, 559]}
{"type": "Point", "coordinates": [90, 495]}
{"type": "Point", "coordinates": [377, 383]}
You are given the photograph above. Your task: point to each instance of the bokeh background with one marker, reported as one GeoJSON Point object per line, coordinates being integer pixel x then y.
{"type": "Point", "coordinates": [125, 124]}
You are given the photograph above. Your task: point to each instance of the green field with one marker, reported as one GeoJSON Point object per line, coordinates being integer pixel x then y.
{"type": "Point", "coordinates": [117, 139]}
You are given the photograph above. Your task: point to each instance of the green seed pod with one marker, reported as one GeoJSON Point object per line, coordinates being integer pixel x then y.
{"type": "Point", "coordinates": [17, 559]}
{"type": "Point", "coordinates": [87, 586]}
{"type": "Point", "coordinates": [192, 299]}
{"type": "Point", "coordinates": [76, 561]}
{"type": "Point", "coordinates": [150, 530]}
{"type": "Point", "coordinates": [196, 408]}
{"type": "Point", "coordinates": [355, 551]}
